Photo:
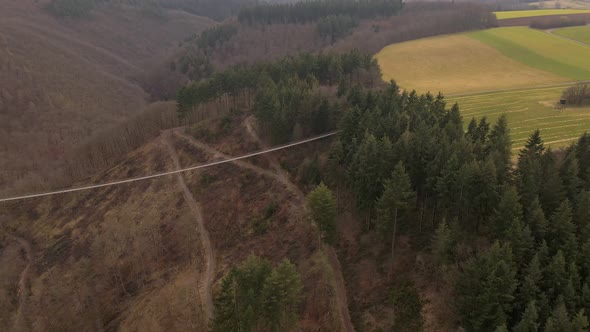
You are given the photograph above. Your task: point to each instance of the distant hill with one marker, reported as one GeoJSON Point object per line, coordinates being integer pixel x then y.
{"type": "Point", "coordinates": [63, 79]}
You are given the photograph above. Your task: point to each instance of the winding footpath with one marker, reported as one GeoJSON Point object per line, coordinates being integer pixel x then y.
{"type": "Point", "coordinates": [22, 288]}
{"type": "Point", "coordinates": [280, 176]}
{"type": "Point", "coordinates": [203, 233]}
{"type": "Point", "coordinates": [340, 288]}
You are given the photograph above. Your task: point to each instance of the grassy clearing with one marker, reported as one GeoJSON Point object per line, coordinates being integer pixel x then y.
{"type": "Point", "coordinates": [565, 4]}
{"type": "Point", "coordinates": [539, 50]}
{"type": "Point", "coordinates": [456, 63]}
{"type": "Point", "coordinates": [581, 34]}
{"type": "Point", "coordinates": [538, 12]}
{"type": "Point", "coordinates": [528, 110]}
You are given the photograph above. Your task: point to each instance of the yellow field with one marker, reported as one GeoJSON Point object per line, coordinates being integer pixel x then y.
{"type": "Point", "coordinates": [456, 63]}
{"type": "Point", "coordinates": [538, 12]}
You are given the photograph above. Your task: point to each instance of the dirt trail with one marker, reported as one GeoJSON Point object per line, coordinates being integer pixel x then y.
{"type": "Point", "coordinates": [282, 177]}
{"type": "Point", "coordinates": [204, 234]}
{"type": "Point", "coordinates": [22, 288]}
{"type": "Point", "coordinates": [261, 171]}
{"type": "Point", "coordinates": [550, 31]}
{"type": "Point", "coordinates": [332, 257]}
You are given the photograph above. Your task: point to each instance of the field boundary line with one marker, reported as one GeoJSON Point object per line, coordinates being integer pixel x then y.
{"type": "Point", "coordinates": [484, 92]}
{"type": "Point", "coordinates": [188, 169]}
{"type": "Point", "coordinates": [550, 31]}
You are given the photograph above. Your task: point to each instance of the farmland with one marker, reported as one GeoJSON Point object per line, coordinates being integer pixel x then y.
{"type": "Point", "coordinates": [527, 110]}
{"type": "Point", "coordinates": [497, 68]}
{"type": "Point", "coordinates": [455, 64]}
{"type": "Point", "coordinates": [581, 34]}
{"type": "Point", "coordinates": [539, 50]}
{"type": "Point", "coordinates": [541, 12]}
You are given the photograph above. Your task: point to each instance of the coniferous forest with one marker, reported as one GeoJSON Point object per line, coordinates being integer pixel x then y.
{"type": "Point", "coordinates": [509, 234]}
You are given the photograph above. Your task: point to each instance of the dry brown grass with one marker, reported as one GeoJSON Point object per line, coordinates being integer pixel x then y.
{"type": "Point", "coordinates": [129, 257]}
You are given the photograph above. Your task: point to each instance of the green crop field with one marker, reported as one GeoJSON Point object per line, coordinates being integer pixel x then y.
{"type": "Point", "coordinates": [540, 50]}
{"type": "Point", "coordinates": [581, 34]}
{"type": "Point", "coordinates": [538, 12]}
{"type": "Point", "coordinates": [499, 67]}
{"type": "Point", "coordinates": [528, 110]}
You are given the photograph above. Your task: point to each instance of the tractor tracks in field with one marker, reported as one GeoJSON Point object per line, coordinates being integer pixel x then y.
{"type": "Point", "coordinates": [202, 230]}
{"type": "Point", "coordinates": [22, 286]}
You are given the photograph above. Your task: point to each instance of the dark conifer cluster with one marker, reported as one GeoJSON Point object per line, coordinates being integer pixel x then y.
{"type": "Point", "coordinates": [535, 272]}
{"type": "Point", "coordinates": [312, 11]}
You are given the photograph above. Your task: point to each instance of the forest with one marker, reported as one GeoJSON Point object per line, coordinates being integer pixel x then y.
{"type": "Point", "coordinates": [311, 11]}
{"type": "Point", "coordinates": [512, 242]}
{"type": "Point", "coordinates": [282, 92]}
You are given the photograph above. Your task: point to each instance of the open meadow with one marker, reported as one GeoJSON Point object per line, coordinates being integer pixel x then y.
{"type": "Point", "coordinates": [528, 110]}
{"type": "Point", "coordinates": [581, 33]}
{"type": "Point", "coordinates": [515, 71]}
{"type": "Point", "coordinates": [538, 12]}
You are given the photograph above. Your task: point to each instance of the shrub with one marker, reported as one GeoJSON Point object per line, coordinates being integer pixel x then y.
{"type": "Point", "coordinates": [578, 94]}
{"type": "Point", "coordinates": [563, 21]}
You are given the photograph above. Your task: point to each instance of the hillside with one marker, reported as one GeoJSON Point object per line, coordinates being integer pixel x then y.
{"type": "Point", "coordinates": [64, 79]}
{"type": "Point", "coordinates": [136, 248]}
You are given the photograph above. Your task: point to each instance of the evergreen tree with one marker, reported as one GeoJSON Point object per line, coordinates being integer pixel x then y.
{"type": "Point", "coordinates": [529, 320]}
{"type": "Point", "coordinates": [282, 293]}
{"type": "Point", "coordinates": [322, 205]}
{"type": "Point", "coordinates": [364, 173]}
{"type": "Point", "coordinates": [442, 244]}
{"type": "Point", "coordinates": [536, 220]}
{"type": "Point", "coordinates": [397, 197]}
{"type": "Point", "coordinates": [579, 322]}
{"type": "Point", "coordinates": [582, 216]}
{"type": "Point", "coordinates": [555, 276]}
{"type": "Point", "coordinates": [483, 308]}
{"type": "Point", "coordinates": [569, 176]}
{"type": "Point", "coordinates": [254, 296]}
{"type": "Point", "coordinates": [561, 233]}
{"type": "Point", "coordinates": [507, 213]}
{"type": "Point", "coordinates": [529, 171]}
{"type": "Point", "coordinates": [559, 320]}
{"type": "Point", "coordinates": [500, 146]}
{"type": "Point", "coordinates": [551, 194]}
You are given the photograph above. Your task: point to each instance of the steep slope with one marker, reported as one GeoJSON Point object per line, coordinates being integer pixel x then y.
{"type": "Point", "coordinates": [64, 79]}
{"type": "Point", "coordinates": [133, 253]}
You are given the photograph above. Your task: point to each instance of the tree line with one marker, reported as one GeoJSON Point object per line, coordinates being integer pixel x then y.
{"type": "Point", "coordinates": [312, 11]}
{"type": "Point", "coordinates": [282, 92]}
{"type": "Point", "coordinates": [409, 162]}
{"type": "Point", "coordinates": [333, 27]}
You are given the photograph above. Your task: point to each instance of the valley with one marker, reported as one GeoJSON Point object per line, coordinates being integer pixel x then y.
{"type": "Point", "coordinates": [327, 165]}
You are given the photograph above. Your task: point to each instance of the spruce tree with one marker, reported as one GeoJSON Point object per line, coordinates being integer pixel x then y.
{"type": "Point", "coordinates": [561, 234]}
{"type": "Point", "coordinates": [507, 213]}
{"type": "Point", "coordinates": [397, 198]}
{"type": "Point", "coordinates": [484, 308]}
{"type": "Point", "coordinates": [529, 320]}
{"type": "Point", "coordinates": [500, 146]}
{"type": "Point", "coordinates": [535, 218]}
{"type": "Point", "coordinates": [322, 206]}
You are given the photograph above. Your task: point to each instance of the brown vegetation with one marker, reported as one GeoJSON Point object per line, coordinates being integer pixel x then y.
{"type": "Point", "coordinates": [64, 80]}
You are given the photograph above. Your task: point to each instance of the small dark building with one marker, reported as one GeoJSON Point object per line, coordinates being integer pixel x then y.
{"type": "Point", "coordinates": [562, 101]}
